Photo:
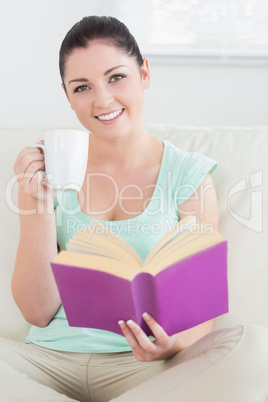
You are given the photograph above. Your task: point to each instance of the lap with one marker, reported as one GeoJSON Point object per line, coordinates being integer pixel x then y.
{"type": "Point", "coordinates": [227, 365]}
{"type": "Point", "coordinates": [218, 362]}
{"type": "Point", "coordinates": [82, 376]}
{"type": "Point", "coordinates": [18, 387]}
{"type": "Point", "coordinates": [54, 370]}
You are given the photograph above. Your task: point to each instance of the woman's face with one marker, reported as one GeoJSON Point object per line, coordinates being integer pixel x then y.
{"type": "Point", "coordinates": [105, 88]}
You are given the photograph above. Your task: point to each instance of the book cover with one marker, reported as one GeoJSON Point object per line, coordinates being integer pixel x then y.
{"type": "Point", "coordinates": [184, 294]}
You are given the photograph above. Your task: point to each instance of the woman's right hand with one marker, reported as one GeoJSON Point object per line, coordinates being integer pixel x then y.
{"type": "Point", "coordinates": [28, 170]}
{"type": "Point", "coordinates": [33, 285]}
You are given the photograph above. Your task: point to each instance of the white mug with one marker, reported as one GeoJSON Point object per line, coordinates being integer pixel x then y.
{"type": "Point", "coordinates": [66, 153]}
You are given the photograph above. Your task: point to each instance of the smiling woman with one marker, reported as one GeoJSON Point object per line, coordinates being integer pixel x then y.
{"type": "Point", "coordinates": [118, 75]}
{"type": "Point", "coordinates": [112, 90]}
{"type": "Point", "coordinates": [134, 181]}
{"type": "Point", "coordinates": [109, 30]}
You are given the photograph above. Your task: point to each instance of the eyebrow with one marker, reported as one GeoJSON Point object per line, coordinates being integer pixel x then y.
{"type": "Point", "coordinates": [113, 68]}
{"type": "Point", "coordinates": [78, 80]}
{"type": "Point", "coordinates": [106, 73]}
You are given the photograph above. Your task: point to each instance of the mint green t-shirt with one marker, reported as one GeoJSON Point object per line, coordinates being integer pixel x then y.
{"type": "Point", "coordinates": [181, 173]}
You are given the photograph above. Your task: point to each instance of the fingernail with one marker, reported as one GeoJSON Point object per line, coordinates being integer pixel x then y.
{"type": "Point", "coordinates": [131, 323]}
{"type": "Point", "coordinates": [121, 323]}
{"type": "Point", "coordinates": [146, 316]}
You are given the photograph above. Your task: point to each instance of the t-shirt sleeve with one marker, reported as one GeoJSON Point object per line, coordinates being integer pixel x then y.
{"type": "Point", "coordinates": [194, 170]}
{"type": "Point", "coordinates": [56, 203]}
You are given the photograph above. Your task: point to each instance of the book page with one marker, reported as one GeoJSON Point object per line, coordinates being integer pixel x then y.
{"type": "Point", "coordinates": [80, 248]}
{"type": "Point", "coordinates": [98, 236]}
{"type": "Point", "coordinates": [181, 228]}
{"type": "Point", "coordinates": [97, 262]}
{"type": "Point", "coordinates": [98, 248]}
{"type": "Point", "coordinates": [101, 249]}
{"type": "Point", "coordinates": [187, 245]}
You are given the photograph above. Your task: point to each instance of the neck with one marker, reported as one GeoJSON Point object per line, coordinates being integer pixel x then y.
{"type": "Point", "coordinates": [119, 152]}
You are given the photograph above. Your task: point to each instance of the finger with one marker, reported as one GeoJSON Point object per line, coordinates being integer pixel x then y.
{"type": "Point", "coordinates": [25, 159]}
{"type": "Point", "coordinates": [34, 182]}
{"type": "Point", "coordinates": [159, 333]}
{"type": "Point", "coordinates": [40, 178]}
{"type": "Point", "coordinates": [127, 329]}
{"type": "Point", "coordinates": [143, 340]}
{"type": "Point", "coordinates": [25, 151]}
{"type": "Point", "coordinates": [33, 168]}
{"type": "Point", "coordinates": [128, 334]}
{"type": "Point", "coordinates": [33, 177]}
{"type": "Point", "coordinates": [34, 155]}
{"type": "Point", "coordinates": [140, 353]}
{"type": "Point", "coordinates": [40, 149]}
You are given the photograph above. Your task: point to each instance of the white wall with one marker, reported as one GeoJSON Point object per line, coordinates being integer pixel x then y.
{"type": "Point", "coordinates": [209, 94]}
{"type": "Point", "coordinates": [31, 32]}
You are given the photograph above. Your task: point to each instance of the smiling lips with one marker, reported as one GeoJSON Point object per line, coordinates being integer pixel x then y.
{"type": "Point", "coordinates": [110, 116]}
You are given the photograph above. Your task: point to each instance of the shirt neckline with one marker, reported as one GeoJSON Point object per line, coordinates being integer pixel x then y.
{"type": "Point", "coordinates": [137, 217]}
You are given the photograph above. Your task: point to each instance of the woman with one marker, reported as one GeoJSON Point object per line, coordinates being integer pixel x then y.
{"type": "Point", "coordinates": [104, 77]}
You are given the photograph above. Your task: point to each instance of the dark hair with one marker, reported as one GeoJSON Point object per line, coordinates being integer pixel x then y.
{"type": "Point", "coordinates": [107, 29]}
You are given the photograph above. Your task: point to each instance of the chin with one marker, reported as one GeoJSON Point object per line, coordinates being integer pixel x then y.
{"type": "Point", "coordinates": [109, 133]}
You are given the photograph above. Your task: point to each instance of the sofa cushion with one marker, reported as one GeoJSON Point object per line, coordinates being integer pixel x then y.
{"type": "Point", "coordinates": [242, 194]}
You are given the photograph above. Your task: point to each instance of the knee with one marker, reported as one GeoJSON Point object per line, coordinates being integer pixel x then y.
{"type": "Point", "coordinates": [248, 343]}
{"type": "Point", "coordinates": [255, 339]}
{"type": "Point", "coordinates": [7, 349]}
{"type": "Point", "coordinates": [251, 341]}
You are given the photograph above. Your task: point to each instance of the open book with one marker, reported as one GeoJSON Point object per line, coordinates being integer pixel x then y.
{"type": "Point", "coordinates": [182, 283]}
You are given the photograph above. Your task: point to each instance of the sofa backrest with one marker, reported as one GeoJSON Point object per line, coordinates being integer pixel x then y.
{"type": "Point", "coordinates": [241, 183]}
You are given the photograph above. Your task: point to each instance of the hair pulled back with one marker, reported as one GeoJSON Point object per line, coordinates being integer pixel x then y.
{"type": "Point", "coordinates": [107, 29]}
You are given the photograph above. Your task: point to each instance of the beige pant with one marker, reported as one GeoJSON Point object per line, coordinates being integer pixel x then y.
{"type": "Point", "coordinates": [229, 365]}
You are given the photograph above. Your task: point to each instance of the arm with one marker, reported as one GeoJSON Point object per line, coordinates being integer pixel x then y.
{"type": "Point", "coordinates": [203, 205]}
{"type": "Point", "coordinates": [33, 286]}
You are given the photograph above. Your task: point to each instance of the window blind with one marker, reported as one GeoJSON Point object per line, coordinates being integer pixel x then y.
{"type": "Point", "coordinates": [197, 27]}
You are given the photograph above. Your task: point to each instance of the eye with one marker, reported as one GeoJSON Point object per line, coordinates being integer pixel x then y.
{"type": "Point", "coordinates": [116, 77]}
{"type": "Point", "coordinates": [82, 88]}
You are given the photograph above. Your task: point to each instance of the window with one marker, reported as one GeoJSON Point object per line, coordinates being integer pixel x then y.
{"type": "Point", "coordinates": [197, 28]}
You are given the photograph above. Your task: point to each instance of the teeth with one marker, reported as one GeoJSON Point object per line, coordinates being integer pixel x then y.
{"type": "Point", "coordinates": [110, 116]}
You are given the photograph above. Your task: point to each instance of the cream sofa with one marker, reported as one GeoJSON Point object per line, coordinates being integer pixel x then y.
{"type": "Point", "coordinates": [241, 182]}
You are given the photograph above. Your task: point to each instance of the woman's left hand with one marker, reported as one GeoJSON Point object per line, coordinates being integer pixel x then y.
{"type": "Point", "coordinates": [144, 349]}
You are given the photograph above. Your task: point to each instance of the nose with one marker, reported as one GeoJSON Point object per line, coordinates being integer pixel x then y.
{"type": "Point", "coordinates": [102, 97]}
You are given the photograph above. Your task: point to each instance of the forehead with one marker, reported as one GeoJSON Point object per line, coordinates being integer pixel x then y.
{"type": "Point", "coordinates": [98, 56]}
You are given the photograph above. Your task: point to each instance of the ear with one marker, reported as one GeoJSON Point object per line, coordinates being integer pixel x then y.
{"type": "Point", "coordinates": [145, 74]}
{"type": "Point", "coordinates": [65, 91]}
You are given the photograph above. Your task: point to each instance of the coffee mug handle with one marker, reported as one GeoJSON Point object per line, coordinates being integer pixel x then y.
{"type": "Point", "coordinates": [41, 146]}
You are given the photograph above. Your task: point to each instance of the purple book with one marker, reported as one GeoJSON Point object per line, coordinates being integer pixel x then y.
{"type": "Point", "coordinates": [179, 297]}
